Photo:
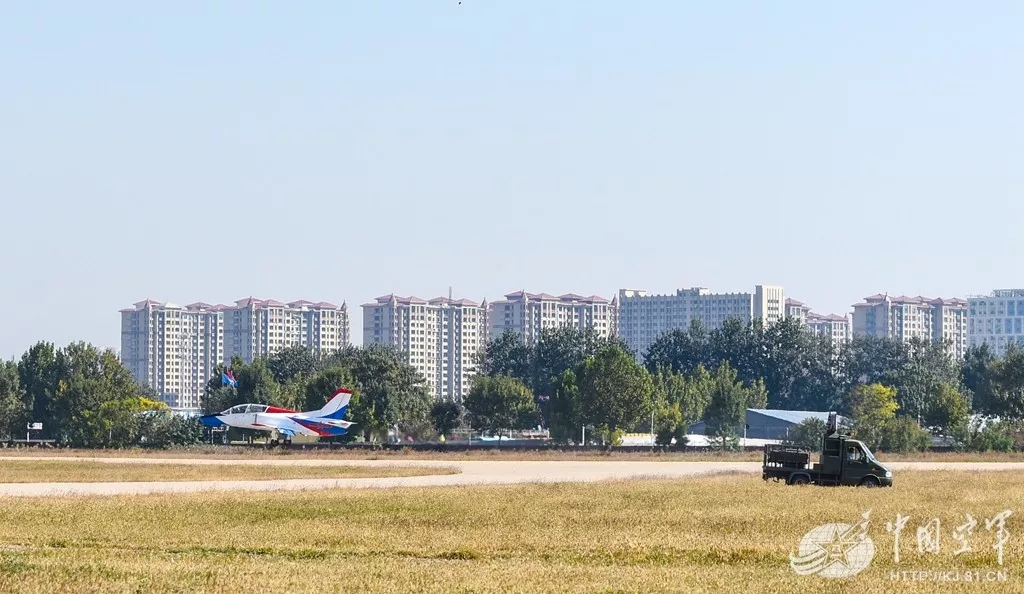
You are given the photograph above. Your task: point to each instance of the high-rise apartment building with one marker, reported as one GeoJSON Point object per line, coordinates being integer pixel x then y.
{"type": "Point", "coordinates": [836, 327]}
{"type": "Point", "coordinates": [642, 318]}
{"type": "Point", "coordinates": [949, 323]}
{"type": "Point", "coordinates": [769, 304]}
{"type": "Point", "coordinates": [996, 319]}
{"type": "Point", "coordinates": [439, 337]}
{"type": "Point", "coordinates": [904, 318]}
{"type": "Point", "coordinates": [176, 349]}
{"type": "Point", "coordinates": [797, 309]}
{"type": "Point", "coordinates": [173, 349]}
{"type": "Point", "coordinates": [527, 314]}
{"type": "Point", "coordinates": [261, 327]}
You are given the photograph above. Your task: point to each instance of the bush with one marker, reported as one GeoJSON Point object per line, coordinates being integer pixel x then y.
{"type": "Point", "coordinates": [732, 443]}
{"type": "Point", "coordinates": [807, 434]}
{"type": "Point", "coordinates": [665, 435]}
{"type": "Point", "coordinates": [446, 417]}
{"type": "Point", "coordinates": [902, 435]}
{"type": "Point", "coordinates": [669, 425]}
{"type": "Point", "coordinates": [614, 437]}
{"type": "Point", "coordinates": [993, 437]}
{"type": "Point", "coordinates": [164, 430]}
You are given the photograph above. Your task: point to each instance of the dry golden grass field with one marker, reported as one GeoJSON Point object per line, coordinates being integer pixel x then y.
{"type": "Point", "coordinates": [74, 471]}
{"type": "Point", "coordinates": [730, 533]}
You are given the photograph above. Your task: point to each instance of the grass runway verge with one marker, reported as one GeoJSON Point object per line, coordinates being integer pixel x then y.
{"type": "Point", "coordinates": [731, 533]}
{"type": "Point", "coordinates": [260, 453]}
{"type": "Point", "coordinates": [72, 471]}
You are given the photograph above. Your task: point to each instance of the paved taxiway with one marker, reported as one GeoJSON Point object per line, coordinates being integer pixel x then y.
{"type": "Point", "coordinates": [473, 472]}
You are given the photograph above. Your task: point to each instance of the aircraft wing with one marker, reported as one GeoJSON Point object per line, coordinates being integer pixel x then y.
{"type": "Point", "coordinates": [307, 420]}
{"type": "Point", "coordinates": [335, 423]}
{"type": "Point", "coordinates": [284, 425]}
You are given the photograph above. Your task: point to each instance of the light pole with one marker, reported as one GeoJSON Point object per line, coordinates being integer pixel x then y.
{"type": "Point", "coordinates": [652, 428]}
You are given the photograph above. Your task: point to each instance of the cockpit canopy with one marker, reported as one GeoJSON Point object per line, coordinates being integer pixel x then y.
{"type": "Point", "coordinates": [239, 409]}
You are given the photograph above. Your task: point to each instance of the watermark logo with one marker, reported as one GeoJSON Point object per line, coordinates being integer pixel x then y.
{"type": "Point", "coordinates": [841, 550]}
{"type": "Point", "coordinates": [835, 550]}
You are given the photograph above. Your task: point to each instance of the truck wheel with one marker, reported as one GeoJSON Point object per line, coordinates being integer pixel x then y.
{"type": "Point", "coordinates": [800, 479]}
{"type": "Point", "coordinates": [869, 482]}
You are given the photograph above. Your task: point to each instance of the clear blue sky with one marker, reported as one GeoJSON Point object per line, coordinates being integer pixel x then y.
{"type": "Point", "coordinates": [344, 150]}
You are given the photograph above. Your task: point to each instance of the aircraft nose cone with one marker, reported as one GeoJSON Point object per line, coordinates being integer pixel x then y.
{"type": "Point", "coordinates": [211, 421]}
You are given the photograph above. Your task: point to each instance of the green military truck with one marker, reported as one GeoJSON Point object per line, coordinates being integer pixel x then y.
{"type": "Point", "coordinates": [842, 461]}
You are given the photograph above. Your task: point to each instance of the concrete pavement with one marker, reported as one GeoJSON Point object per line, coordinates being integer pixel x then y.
{"type": "Point", "coordinates": [473, 472]}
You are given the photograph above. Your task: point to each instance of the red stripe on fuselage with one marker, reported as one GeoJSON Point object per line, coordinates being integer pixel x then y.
{"type": "Point", "coordinates": [278, 409]}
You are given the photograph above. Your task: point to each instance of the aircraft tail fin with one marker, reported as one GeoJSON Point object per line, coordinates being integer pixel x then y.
{"type": "Point", "coordinates": [336, 406]}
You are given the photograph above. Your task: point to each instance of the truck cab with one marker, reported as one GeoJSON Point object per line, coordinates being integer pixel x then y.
{"type": "Point", "coordinates": [849, 461]}
{"type": "Point", "coordinates": [842, 460]}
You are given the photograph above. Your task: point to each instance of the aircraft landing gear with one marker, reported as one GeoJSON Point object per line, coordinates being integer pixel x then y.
{"type": "Point", "coordinates": [276, 441]}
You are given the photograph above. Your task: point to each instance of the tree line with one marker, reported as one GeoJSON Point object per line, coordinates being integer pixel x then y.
{"type": "Point", "coordinates": [898, 393]}
{"type": "Point", "coordinates": [590, 389]}
{"type": "Point", "coordinates": [86, 398]}
{"type": "Point", "coordinates": [574, 383]}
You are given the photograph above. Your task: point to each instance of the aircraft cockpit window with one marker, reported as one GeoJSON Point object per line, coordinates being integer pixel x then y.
{"type": "Point", "coordinates": [239, 409]}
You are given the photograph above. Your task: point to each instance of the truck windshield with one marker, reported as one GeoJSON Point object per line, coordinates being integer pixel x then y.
{"type": "Point", "coordinates": [867, 452]}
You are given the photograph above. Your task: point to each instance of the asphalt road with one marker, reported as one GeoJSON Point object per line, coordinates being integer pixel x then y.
{"type": "Point", "coordinates": [473, 472]}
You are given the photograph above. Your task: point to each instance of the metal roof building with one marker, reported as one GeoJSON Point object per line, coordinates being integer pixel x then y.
{"type": "Point", "coordinates": [764, 423]}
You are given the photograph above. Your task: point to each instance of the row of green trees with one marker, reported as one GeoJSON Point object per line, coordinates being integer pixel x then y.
{"type": "Point", "coordinates": [876, 422]}
{"type": "Point", "coordinates": [802, 371]}
{"type": "Point", "coordinates": [583, 387]}
{"type": "Point", "coordinates": [84, 397]}
{"type": "Point", "coordinates": [572, 382]}
{"type": "Point", "coordinates": [578, 379]}
{"type": "Point", "coordinates": [925, 386]}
